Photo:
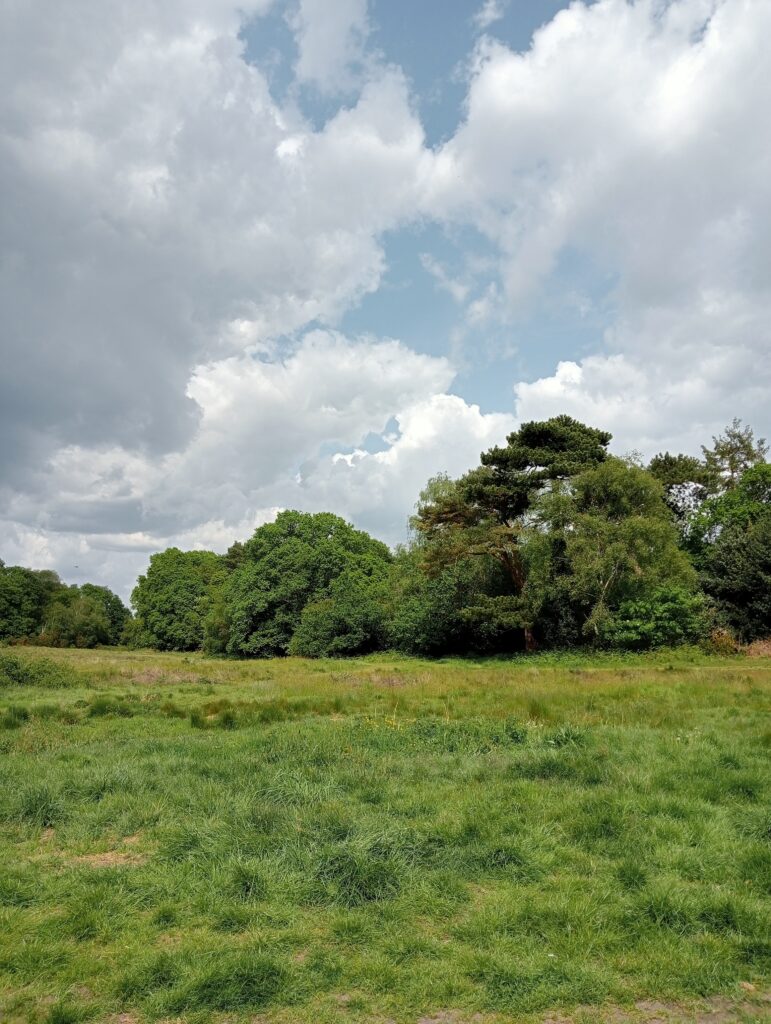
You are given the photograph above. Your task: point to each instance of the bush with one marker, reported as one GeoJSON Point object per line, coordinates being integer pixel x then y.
{"type": "Point", "coordinates": [40, 672]}
{"type": "Point", "coordinates": [721, 641]}
{"type": "Point", "coordinates": [668, 617]}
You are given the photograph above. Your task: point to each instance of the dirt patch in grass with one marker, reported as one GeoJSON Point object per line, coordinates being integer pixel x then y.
{"type": "Point", "coordinates": [715, 1010]}
{"type": "Point", "coordinates": [452, 1017]}
{"type": "Point", "coordinates": [110, 859]}
{"type": "Point", "coordinates": [116, 858]}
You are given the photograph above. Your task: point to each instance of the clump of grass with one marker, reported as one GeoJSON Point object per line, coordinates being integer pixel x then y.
{"type": "Point", "coordinates": [631, 874]}
{"type": "Point", "coordinates": [152, 973]}
{"type": "Point", "coordinates": [14, 716]}
{"type": "Point", "coordinates": [239, 981]}
{"type": "Point", "coordinates": [40, 804]}
{"type": "Point", "coordinates": [247, 881]}
{"type": "Point", "coordinates": [353, 877]}
{"type": "Point", "coordinates": [232, 918]}
{"type": "Point", "coordinates": [101, 706]}
{"type": "Point", "coordinates": [566, 735]}
{"type": "Point", "coordinates": [171, 710]}
{"type": "Point", "coordinates": [19, 887]}
{"type": "Point", "coordinates": [538, 982]}
{"type": "Point", "coordinates": [67, 1013]}
{"type": "Point", "coordinates": [227, 719]}
{"type": "Point", "coordinates": [166, 914]}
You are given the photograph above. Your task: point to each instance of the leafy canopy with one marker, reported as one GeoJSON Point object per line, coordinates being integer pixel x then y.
{"type": "Point", "coordinates": [174, 597]}
{"type": "Point", "coordinates": [284, 566]}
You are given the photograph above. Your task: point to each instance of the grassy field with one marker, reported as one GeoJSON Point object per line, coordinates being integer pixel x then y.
{"type": "Point", "coordinates": [382, 840]}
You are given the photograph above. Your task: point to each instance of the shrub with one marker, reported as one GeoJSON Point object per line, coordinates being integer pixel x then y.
{"type": "Point", "coordinates": [668, 617]}
{"type": "Point", "coordinates": [42, 672]}
{"type": "Point", "coordinates": [720, 641]}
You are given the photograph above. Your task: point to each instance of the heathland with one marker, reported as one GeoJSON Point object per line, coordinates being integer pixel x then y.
{"type": "Point", "coordinates": [383, 839]}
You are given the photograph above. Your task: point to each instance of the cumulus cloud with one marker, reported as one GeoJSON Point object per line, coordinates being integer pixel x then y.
{"type": "Point", "coordinates": [154, 196]}
{"type": "Point", "coordinates": [272, 434]}
{"type": "Point", "coordinates": [632, 135]}
{"type": "Point", "coordinates": [330, 42]}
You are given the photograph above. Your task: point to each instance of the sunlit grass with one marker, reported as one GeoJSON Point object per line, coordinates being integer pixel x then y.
{"type": "Point", "coordinates": [196, 839]}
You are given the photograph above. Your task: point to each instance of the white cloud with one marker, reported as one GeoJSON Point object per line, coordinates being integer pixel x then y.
{"type": "Point", "coordinates": [632, 136]}
{"type": "Point", "coordinates": [453, 286]}
{"type": "Point", "coordinates": [490, 12]}
{"type": "Point", "coordinates": [267, 439]}
{"type": "Point", "coordinates": [170, 211]}
{"type": "Point", "coordinates": [331, 41]}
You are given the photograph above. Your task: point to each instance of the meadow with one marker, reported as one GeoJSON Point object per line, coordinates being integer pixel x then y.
{"type": "Point", "coordinates": [385, 839]}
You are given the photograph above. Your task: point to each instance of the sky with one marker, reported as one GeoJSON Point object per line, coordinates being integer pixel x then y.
{"type": "Point", "coordinates": [309, 253]}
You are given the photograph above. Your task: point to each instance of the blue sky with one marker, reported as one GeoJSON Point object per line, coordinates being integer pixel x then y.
{"type": "Point", "coordinates": [259, 254]}
{"type": "Point", "coordinates": [432, 43]}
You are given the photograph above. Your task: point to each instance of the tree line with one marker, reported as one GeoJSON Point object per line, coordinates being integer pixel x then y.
{"type": "Point", "coordinates": [550, 542]}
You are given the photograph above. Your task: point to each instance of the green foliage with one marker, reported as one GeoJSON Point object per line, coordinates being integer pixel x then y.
{"type": "Point", "coordinates": [736, 572]}
{"type": "Point", "coordinates": [483, 514]}
{"type": "Point", "coordinates": [737, 508]}
{"type": "Point", "coordinates": [37, 606]}
{"type": "Point", "coordinates": [287, 565]}
{"type": "Point", "coordinates": [75, 619]}
{"type": "Point", "coordinates": [350, 620]}
{"type": "Point", "coordinates": [667, 617]}
{"type": "Point", "coordinates": [732, 454]}
{"type": "Point", "coordinates": [548, 542]}
{"type": "Point", "coordinates": [537, 453]}
{"type": "Point", "coordinates": [606, 540]}
{"type": "Point", "coordinates": [731, 544]}
{"type": "Point", "coordinates": [676, 470]}
{"type": "Point", "coordinates": [174, 598]}
{"type": "Point", "coordinates": [112, 607]}
{"type": "Point", "coordinates": [445, 611]}
{"type": "Point", "coordinates": [40, 672]}
{"type": "Point", "coordinates": [24, 594]}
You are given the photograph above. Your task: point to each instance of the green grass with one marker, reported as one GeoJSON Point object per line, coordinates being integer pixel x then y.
{"type": "Point", "coordinates": [201, 840]}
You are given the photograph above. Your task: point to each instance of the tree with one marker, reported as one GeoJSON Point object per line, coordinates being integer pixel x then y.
{"type": "Point", "coordinates": [114, 609]}
{"type": "Point", "coordinates": [75, 619]}
{"type": "Point", "coordinates": [456, 609]}
{"type": "Point", "coordinates": [604, 540]}
{"type": "Point", "coordinates": [737, 574]}
{"type": "Point", "coordinates": [732, 454]}
{"type": "Point", "coordinates": [173, 599]}
{"type": "Point", "coordinates": [686, 481]}
{"type": "Point", "coordinates": [733, 551]}
{"type": "Point", "coordinates": [286, 565]}
{"type": "Point", "coordinates": [350, 619]}
{"type": "Point", "coordinates": [485, 512]}
{"type": "Point", "coordinates": [24, 596]}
